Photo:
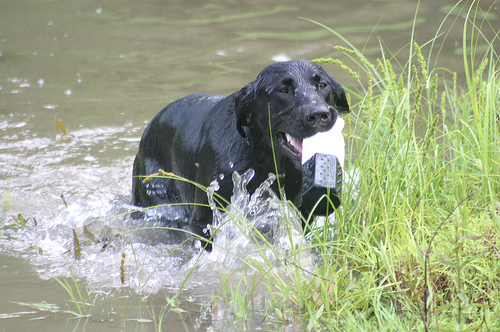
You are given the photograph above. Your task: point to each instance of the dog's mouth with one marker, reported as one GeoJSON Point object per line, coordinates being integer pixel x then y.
{"type": "Point", "coordinates": [291, 144]}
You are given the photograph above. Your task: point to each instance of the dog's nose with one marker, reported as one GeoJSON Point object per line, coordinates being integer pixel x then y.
{"type": "Point", "coordinates": [320, 117]}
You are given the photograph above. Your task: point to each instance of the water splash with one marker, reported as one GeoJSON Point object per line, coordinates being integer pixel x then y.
{"type": "Point", "coordinates": [256, 227]}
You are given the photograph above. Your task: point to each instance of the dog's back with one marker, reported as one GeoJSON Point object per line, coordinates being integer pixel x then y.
{"type": "Point", "coordinates": [178, 123]}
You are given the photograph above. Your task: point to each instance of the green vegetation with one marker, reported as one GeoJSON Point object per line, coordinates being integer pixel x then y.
{"type": "Point", "coordinates": [80, 298]}
{"type": "Point", "coordinates": [416, 245]}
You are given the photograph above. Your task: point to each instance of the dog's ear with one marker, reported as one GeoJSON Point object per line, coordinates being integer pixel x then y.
{"type": "Point", "coordinates": [340, 101]}
{"type": "Point", "coordinates": [242, 101]}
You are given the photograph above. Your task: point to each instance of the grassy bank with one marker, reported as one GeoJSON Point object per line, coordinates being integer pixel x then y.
{"type": "Point", "coordinates": [416, 245]}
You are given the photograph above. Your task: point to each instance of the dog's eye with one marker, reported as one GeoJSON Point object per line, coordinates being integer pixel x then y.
{"type": "Point", "coordinates": [321, 85]}
{"type": "Point", "coordinates": [283, 89]}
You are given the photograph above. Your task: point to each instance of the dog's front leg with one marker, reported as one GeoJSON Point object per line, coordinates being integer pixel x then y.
{"type": "Point", "coordinates": [201, 216]}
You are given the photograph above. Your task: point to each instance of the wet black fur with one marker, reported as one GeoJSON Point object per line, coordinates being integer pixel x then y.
{"type": "Point", "coordinates": [202, 136]}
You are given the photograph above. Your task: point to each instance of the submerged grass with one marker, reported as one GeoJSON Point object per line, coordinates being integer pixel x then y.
{"type": "Point", "coordinates": [80, 298]}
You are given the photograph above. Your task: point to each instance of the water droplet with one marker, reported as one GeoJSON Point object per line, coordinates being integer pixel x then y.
{"type": "Point", "coordinates": [98, 10]}
{"type": "Point", "coordinates": [40, 82]}
{"type": "Point", "coordinates": [231, 164]}
{"type": "Point", "coordinates": [280, 57]}
{"type": "Point", "coordinates": [221, 176]}
{"type": "Point", "coordinates": [68, 92]}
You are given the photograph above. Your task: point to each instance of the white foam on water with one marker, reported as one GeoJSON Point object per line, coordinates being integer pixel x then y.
{"type": "Point", "coordinates": [257, 227]}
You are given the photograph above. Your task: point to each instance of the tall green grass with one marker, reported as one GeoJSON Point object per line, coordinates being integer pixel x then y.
{"type": "Point", "coordinates": [416, 245]}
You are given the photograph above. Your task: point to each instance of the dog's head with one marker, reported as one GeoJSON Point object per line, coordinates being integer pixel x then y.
{"type": "Point", "coordinates": [291, 101]}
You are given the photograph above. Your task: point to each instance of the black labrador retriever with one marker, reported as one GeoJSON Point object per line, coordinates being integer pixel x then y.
{"type": "Point", "coordinates": [205, 137]}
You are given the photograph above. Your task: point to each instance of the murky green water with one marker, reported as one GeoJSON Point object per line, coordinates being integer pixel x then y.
{"type": "Point", "coordinates": [105, 68]}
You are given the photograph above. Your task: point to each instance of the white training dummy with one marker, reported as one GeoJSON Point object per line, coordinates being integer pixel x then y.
{"type": "Point", "coordinates": [328, 142]}
{"type": "Point", "coordinates": [322, 162]}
